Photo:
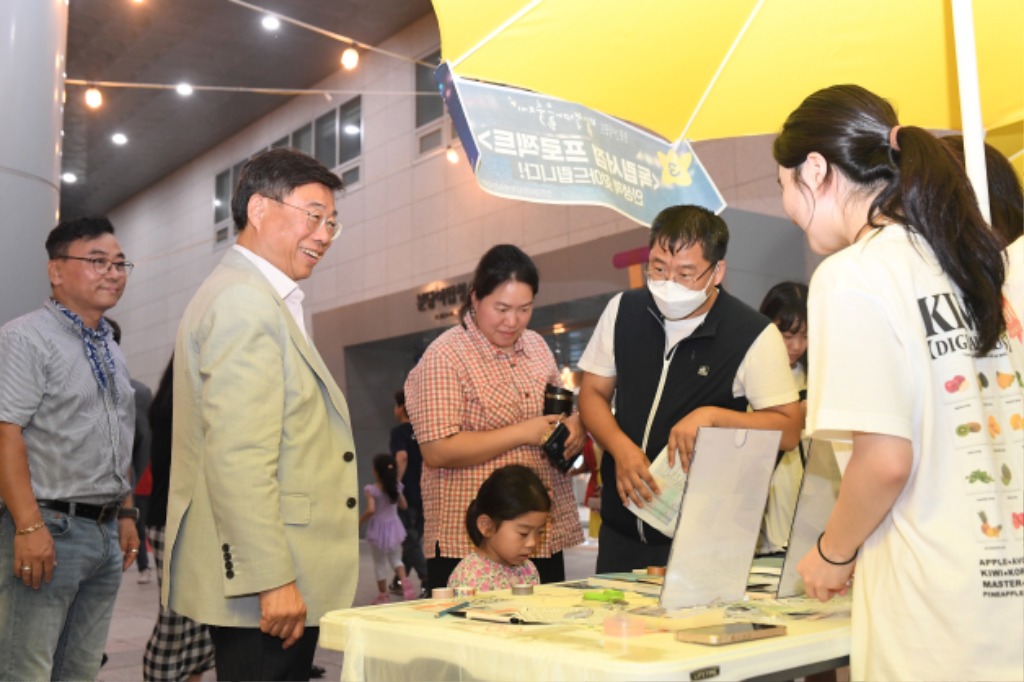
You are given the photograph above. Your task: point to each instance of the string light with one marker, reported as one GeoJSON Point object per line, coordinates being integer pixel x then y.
{"type": "Point", "coordinates": [69, 178]}
{"type": "Point", "coordinates": [350, 58]}
{"type": "Point", "coordinates": [119, 138]}
{"type": "Point", "coordinates": [271, 23]}
{"type": "Point", "coordinates": [93, 98]}
{"type": "Point", "coordinates": [184, 89]}
{"type": "Point", "coordinates": [452, 155]}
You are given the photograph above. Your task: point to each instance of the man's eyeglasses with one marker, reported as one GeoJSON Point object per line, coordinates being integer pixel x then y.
{"type": "Point", "coordinates": [659, 273]}
{"type": "Point", "coordinates": [103, 265]}
{"type": "Point", "coordinates": [315, 219]}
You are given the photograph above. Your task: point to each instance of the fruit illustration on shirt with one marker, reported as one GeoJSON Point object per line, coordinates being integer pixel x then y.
{"type": "Point", "coordinates": [980, 476]}
{"type": "Point", "coordinates": [989, 531]}
{"type": "Point", "coordinates": [982, 380]}
{"type": "Point", "coordinates": [993, 427]}
{"type": "Point", "coordinates": [1004, 380]}
{"type": "Point", "coordinates": [1005, 476]}
{"type": "Point", "coordinates": [957, 383]}
{"type": "Point", "coordinates": [968, 428]}
{"type": "Point", "coordinates": [1016, 422]}
{"type": "Point", "coordinates": [1018, 520]}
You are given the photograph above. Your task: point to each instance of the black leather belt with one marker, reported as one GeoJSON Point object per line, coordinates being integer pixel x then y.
{"type": "Point", "coordinates": [95, 512]}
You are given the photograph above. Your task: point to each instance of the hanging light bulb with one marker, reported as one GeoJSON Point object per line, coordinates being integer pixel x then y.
{"type": "Point", "coordinates": [350, 58]}
{"type": "Point", "coordinates": [93, 98]}
{"type": "Point", "coordinates": [451, 155]}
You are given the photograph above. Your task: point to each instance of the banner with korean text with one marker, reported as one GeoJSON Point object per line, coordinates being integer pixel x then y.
{"type": "Point", "coordinates": [527, 146]}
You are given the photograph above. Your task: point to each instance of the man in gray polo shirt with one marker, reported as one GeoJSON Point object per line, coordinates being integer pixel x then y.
{"type": "Point", "coordinates": [67, 416]}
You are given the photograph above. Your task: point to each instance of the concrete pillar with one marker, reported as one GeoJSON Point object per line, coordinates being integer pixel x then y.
{"type": "Point", "coordinates": [33, 44]}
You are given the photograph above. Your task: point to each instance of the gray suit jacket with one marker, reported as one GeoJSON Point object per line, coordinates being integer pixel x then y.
{"type": "Point", "coordinates": [263, 486]}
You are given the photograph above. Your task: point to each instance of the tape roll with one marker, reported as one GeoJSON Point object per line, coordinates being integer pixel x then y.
{"type": "Point", "coordinates": [655, 570]}
{"type": "Point", "coordinates": [442, 593]}
{"type": "Point", "coordinates": [522, 590]}
{"type": "Point", "coordinates": [465, 591]}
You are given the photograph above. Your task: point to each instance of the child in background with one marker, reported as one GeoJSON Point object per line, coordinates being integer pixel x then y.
{"type": "Point", "coordinates": [504, 521]}
{"type": "Point", "coordinates": [385, 531]}
{"type": "Point", "coordinates": [785, 305]}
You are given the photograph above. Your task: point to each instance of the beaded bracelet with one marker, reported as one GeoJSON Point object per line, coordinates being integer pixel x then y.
{"type": "Point", "coordinates": [30, 529]}
{"type": "Point", "coordinates": [835, 563]}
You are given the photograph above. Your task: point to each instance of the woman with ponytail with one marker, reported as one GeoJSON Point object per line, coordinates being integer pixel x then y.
{"type": "Point", "coordinates": [909, 362]}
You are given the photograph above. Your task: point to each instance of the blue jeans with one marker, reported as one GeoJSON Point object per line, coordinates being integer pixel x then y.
{"type": "Point", "coordinates": [59, 631]}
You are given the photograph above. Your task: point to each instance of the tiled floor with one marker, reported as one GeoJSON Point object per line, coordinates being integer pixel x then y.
{"type": "Point", "coordinates": [136, 609]}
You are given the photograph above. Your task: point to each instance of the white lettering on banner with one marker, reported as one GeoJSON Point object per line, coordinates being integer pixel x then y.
{"type": "Point", "coordinates": [551, 149]}
{"type": "Point", "coordinates": [504, 142]}
{"type": "Point", "coordinates": [575, 152]}
{"type": "Point", "coordinates": [511, 143]}
{"type": "Point", "coordinates": [647, 178]}
{"type": "Point", "coordinates": [629, 172]}
{"type": "Point", "coordinates": [567, 175]}
{"type": "Point", "coordinates": [529, 145]}
{"type": "Point", "coordinates": [614, 132]}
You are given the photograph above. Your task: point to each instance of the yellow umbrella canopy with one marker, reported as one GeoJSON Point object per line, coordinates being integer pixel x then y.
{"type": "Point", "coordinates": [701, 70]}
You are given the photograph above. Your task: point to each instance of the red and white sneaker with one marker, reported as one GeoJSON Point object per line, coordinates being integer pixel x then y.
{"type": "Point", "coordinates": [409, 592]}
{"type": "Point", "coordinates": [381, 598]}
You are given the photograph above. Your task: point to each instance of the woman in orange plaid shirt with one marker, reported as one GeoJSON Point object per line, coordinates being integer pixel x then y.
{"type": "Point", "coordinates": [476, 400]}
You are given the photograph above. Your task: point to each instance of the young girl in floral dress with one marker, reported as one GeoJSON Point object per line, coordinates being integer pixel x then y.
{"type": "Point", "coordinates": [504, 522]}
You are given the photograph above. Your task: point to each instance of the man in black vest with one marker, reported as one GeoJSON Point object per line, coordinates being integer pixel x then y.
{"type": "Point", "coordinates": [676, 355]}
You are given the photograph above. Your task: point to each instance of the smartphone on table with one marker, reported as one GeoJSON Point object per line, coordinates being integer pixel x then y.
{"type": "Point", "coordinates": [729, 633]}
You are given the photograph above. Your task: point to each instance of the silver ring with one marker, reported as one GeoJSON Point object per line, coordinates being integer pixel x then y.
{"type": "Point", "coordinates": [26, 569]}
{"type": "Point", "coordinates": [134, 550]}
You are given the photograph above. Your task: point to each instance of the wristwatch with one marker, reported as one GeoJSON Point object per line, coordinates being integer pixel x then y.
{"type": "Point", "coordinates": [128, 513]}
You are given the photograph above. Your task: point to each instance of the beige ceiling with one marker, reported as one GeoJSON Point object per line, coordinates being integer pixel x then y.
{"type": "Point", "coordinates": [203, 42]}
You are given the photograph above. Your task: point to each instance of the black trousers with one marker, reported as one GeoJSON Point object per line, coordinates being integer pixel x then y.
{"type": "Point", "coordinates": [248, 654]}
{"type": "Point", "coordinates": [439, 568]}
{"type": "Point", "coordinates": [412, 546]}
{"type": "Point", "coordinates": [617, 553]}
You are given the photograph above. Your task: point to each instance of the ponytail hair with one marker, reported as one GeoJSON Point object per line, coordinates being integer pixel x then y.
{"type": "Point", "coordinates": [387, 471]}
{"type": "Point", "coordinates": [919, 183]}
{"type": "Point", "coordinates": [508, 493]}
{"type": "Point", "coordinates": [1005, 194]}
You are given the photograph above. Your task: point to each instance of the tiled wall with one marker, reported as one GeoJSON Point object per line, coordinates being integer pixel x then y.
{"type": "Point", "coordinates": [408, 222]}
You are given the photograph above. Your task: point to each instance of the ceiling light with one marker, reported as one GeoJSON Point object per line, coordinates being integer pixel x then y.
{"type": "Point", "coordinates": [351, 129]}
{"type": "Point", "coordinates": [119, 138]}
{"type": "Point", "coordinates": [69, 178]}
{"type": "Point", "coordinates": [93, 98]}
{"type": "Point", "coordinates": [271, 23]}
{"type": "Point", "coordinates": [451, 155]}
{"type": "Point", "coordinates": [350, 58]}
{"type": "Point", "coordinates": [184, 89]}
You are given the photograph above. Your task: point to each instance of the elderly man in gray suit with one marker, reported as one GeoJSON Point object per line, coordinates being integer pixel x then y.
{"type": "Point", "coordinates": [262, 535]}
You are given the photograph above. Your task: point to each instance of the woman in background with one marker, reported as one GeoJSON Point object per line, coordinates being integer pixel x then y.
{"type": "Point", "coordinates": [179, 648]}
{"type": "Point", "coordinates": [785, 305]}
{"type": "Point", "coordinates": [908, 361]}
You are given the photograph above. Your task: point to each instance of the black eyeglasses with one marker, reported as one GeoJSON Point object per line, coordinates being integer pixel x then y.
{"type": "Point", "coordinates": [103, 265]}
{"type": "Point", "coordinates": [315, 219]}
{"type": "Point", "coordinates": [660, 273]}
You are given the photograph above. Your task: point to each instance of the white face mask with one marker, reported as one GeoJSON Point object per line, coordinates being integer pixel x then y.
{"type": "Point", "coordinates": [676, 301]}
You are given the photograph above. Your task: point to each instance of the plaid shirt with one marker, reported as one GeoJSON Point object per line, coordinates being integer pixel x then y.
{"type": "Point", "coordinates": [465, 383]}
